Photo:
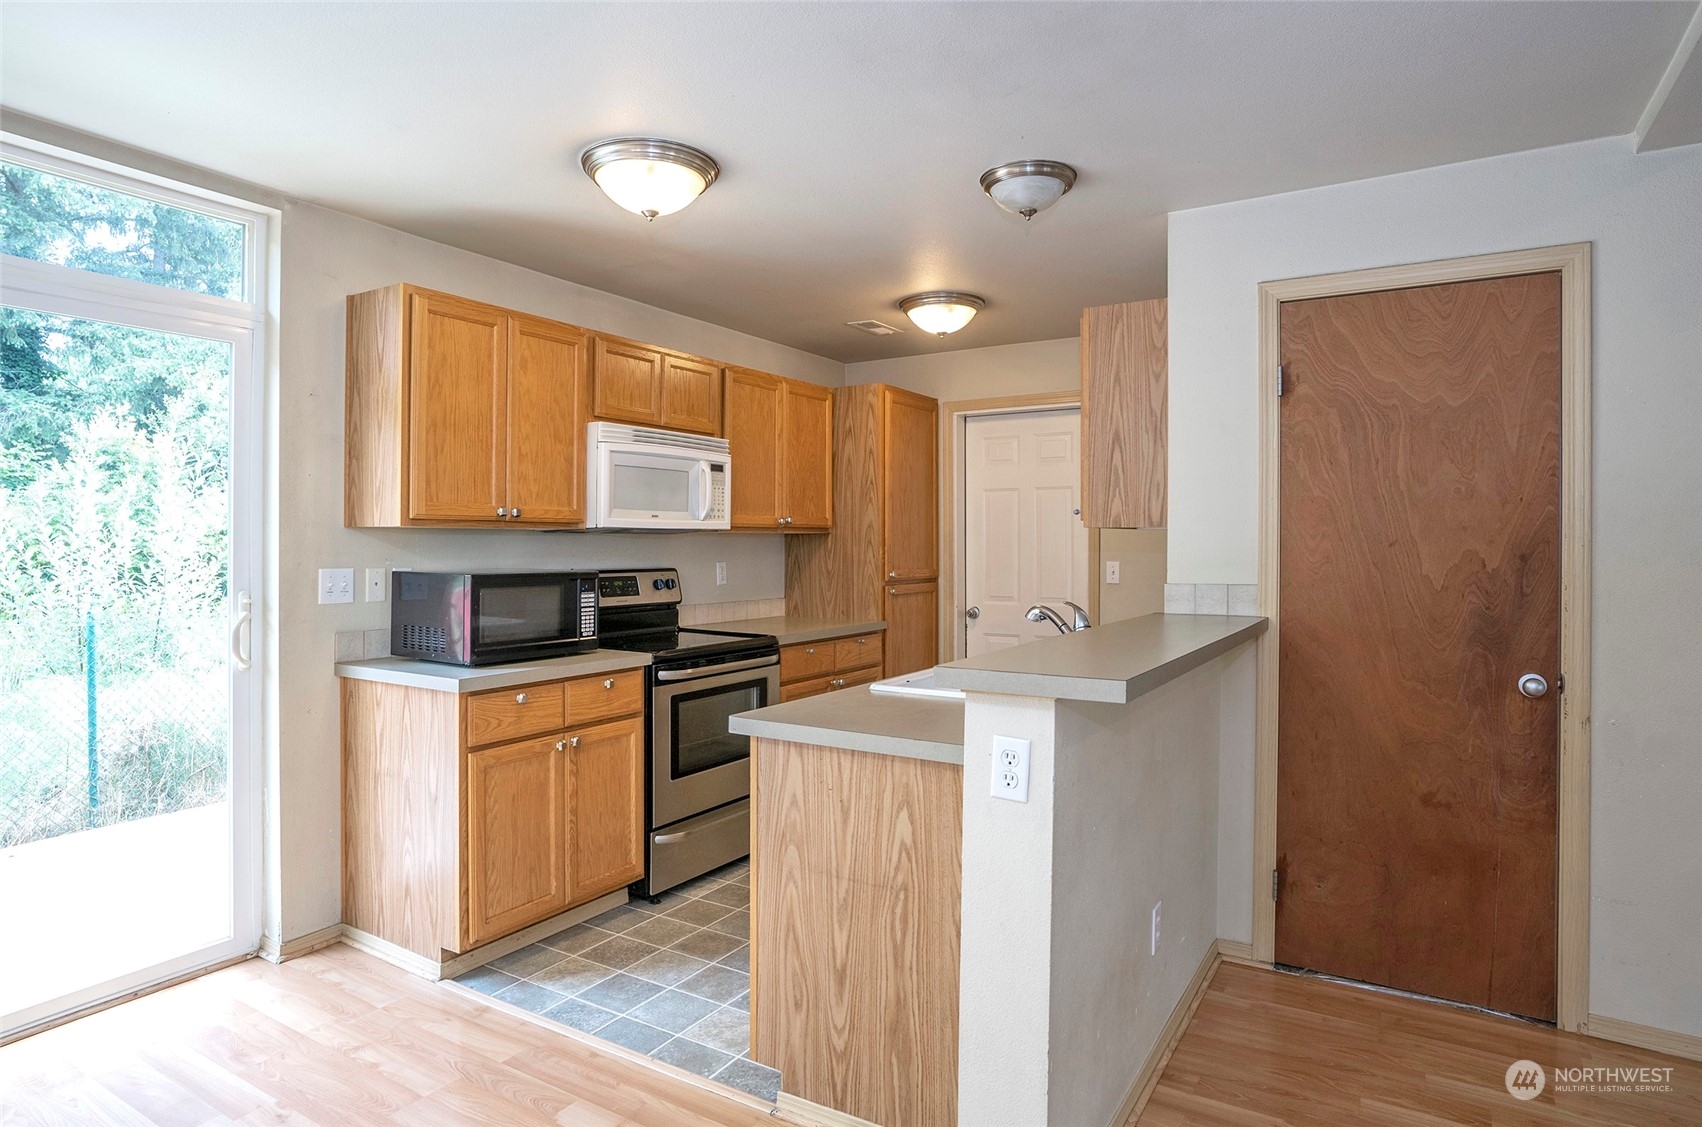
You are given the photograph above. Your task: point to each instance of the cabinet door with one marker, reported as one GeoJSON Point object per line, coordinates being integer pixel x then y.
{"type": "Point", "coordinates": [626, 381]}
{"type": "Point", "coordinates": [546, 422]}
{"type": "Point", "coordinates": [753, 418]}
{"type": "Point", "coordinates": [806, 443]}
{"type": "Point", "coordinates": [606, 799]}
{"type": "Point", "coordinates": [516, 837]}
{"type": "Point", "coordinates": [911, 481]}
{"type": "Point", "coordinates": [1124, 415]}
{"type": "Point", "coordinates": [691, 395]}
{"type": "Point", "coordinates": [912, 627]}
{"type": "Point", "coordinates": [457, 414]}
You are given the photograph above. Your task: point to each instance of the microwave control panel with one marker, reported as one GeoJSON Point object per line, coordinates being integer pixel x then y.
{"type": "Point", "coordinates": [718, 493]}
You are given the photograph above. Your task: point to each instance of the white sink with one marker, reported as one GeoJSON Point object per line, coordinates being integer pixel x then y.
{"type": "Point", "coordinates": [918, 684]}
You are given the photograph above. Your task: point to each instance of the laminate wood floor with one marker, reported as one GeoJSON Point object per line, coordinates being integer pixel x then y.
{"type": "Point", "coordinates": [1265, 1048]}
{"type": "Point", "coordinates": [333, 1038]}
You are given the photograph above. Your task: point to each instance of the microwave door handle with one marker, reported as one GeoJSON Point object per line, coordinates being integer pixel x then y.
{"type": "Point", "coordinates": [700, 474]}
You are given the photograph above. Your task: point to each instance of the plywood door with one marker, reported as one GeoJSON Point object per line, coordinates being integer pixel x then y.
{"type": "Point", "coordinates": [606, 796]}
{"type": "Point", "coordinates": [457, 410]}
{"type": "Point", "coordinates": [1125, 361]}
{"type": "Point", "coordinates": [1024, 540]}
{"type": "Point", "coordinates": [910, 478]}
{"type": "Point", "coordinates": [516, 836]}
{"type": "Point", "coordinates": [626, 381]}
{"type": "Point", "coordinates": [753, 410]}
{"type": "Point", "coordinates": [912, 627]}
{"type": "Point", "coordinates": [691, 395]}
{"type": "Point", "coordinates": [547, 374]}
{"type": "Point", "coordinates": [1420, 484]}
{"type": "Point", "coordinates": [806, 443]}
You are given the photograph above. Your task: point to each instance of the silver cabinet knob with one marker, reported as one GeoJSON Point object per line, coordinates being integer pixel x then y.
{"type": "Point", "coordinates": [1533, 685]}
{"type": "Point", "coordinates": [892, 575]}
{"type": "Point", "coordinates": [609, 684]}
{"type": "Point", "coordinates": [503, 511]}
{"type": "Point", "coordinates": [561, 745]}
{"type": "Point", "coordinates": [838, 682]}
{"type": "Point", "coordinates": [519, 698]}
{"type": "Point", "coordinates": [779, 520]}
{"type": "Point", "coordinates": [972, 613]}
{"type": "Point", "coordinates": [809, 649]}
{"type": "Point", "coordinates": [515, 513]}
{"type": "Point", "coordinates": [574, 742]}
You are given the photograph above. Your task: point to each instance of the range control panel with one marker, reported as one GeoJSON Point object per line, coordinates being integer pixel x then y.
{"type": "Point", "coordinates": [648, 587]}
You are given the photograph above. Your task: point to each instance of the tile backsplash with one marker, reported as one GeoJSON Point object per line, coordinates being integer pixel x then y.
{"type": "Point", "coordinates": [1211, 598]}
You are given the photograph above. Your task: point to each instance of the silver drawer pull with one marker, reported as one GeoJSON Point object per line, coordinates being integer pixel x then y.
{"type": "Point", "coordinates": [609, 684]}
{"type": "Point", "coordinates": [519, 698]}
{"type": "Point", "coordinates": [809, 649]}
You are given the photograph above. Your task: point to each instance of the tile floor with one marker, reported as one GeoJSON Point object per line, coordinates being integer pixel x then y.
{"type": "Point", "coordinates": [671, 980]}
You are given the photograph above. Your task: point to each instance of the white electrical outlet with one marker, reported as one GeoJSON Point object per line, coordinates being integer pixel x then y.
{"type": "Point", "coordinates": [720, 575]}
{"type": "Point", "coordinates": [1157, 909]}
{"type": "Point", "coordinates": [336, 584]}
{"type": "Point", "coordinates": [1113, 571]}
{"type": "Point", "coordinates": [375, 579]}
{"type": "Point", "coordinates": [1010, 769]}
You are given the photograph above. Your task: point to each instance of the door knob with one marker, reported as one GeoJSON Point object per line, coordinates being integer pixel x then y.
{"type": "Point", "coordinates": [1533, 685]}
{"type": "Point", "coordinates": [972, 613]}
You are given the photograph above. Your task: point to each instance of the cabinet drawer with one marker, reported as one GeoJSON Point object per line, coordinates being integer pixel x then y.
{"type": "Point", "coordinates": [600, 698]}
{"type": "Point", "coordinates": [857, 653]}
{"type": "Point", "coordinates": [807, 659]}
{"type": "Point", "coordinates": [510, 714]}
{"type": "Point", "coordinates": [816, 686]}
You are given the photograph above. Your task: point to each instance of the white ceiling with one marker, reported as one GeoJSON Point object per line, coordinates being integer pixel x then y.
{"type": "Point", "coordinates": [850, 135]}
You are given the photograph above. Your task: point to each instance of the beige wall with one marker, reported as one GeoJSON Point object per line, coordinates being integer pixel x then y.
{"type": "Point", "coordinates": [1140, 551]}
{"type": "Point", "coordinates": [980, 373]}
{"type": "Point", "coordinates": [1643, 215]}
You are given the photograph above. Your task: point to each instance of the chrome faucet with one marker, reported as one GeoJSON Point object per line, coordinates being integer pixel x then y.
{"type": "Point", "coordinates": [1040, 612]}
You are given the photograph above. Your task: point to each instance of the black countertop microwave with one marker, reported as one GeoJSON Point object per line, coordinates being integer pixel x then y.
{"type": "Point", "coordinates": [492, 617]}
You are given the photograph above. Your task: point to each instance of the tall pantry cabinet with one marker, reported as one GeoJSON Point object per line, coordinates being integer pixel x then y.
{"type": "Point", "coordinates": [881, 560]}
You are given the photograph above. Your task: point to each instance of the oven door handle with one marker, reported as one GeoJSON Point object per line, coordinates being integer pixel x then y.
{"type": "Point", "coordinates": [681, 835]}
{"type": "Point", "coordinates": [715, 670]}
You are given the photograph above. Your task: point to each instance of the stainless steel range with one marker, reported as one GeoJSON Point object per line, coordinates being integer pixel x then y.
{"type": "Point", "coordinates": [697, 794]}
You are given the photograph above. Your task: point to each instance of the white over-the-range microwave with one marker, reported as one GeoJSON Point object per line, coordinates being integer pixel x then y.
{"type": "Point", "coordinates": [641, 478]}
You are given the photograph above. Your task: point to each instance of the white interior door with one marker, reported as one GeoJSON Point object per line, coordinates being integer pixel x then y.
{"type": "Point", "coordinates": [1024, 542]}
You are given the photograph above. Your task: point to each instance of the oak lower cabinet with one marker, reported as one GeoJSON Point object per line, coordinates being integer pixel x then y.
{"type": "Point", "coordinates": [780, 435]}
{"type": "Point", "coordinates": [469, 816]}
{"type": "Point", "coordinates": [912, 613]}
{"type": "Point", "coordinates": [461, 413]}
{"type": "Point", "coordinates": [649, 386]}
{"type": "Point", "coordinates": [809, 669]}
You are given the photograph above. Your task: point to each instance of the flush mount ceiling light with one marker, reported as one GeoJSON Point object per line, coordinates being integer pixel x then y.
{"type": "Point", "coordinates": [649, 176]}
{"type": "Point", "coordinates": [941, 311]}
{"type": "Point", "coordinates": [1028, 187]}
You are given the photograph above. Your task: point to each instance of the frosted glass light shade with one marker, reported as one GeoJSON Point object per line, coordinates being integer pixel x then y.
{"type": "Point", "coordinates": [942, 311]}
{"type": "Point", "coordinates": [649, 177]}
{"type": "Point", "coordinates": [1028, 187]}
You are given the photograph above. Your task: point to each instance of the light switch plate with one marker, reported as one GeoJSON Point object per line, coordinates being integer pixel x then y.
{"type": "Point", "coordinates": [1113, 571]}
{"type": "Point", "coordinates": [336, 584]}
{"type": "Point", "coordinates": [375, 584]}
{"type": "Point", "coordinates": [720, 574]}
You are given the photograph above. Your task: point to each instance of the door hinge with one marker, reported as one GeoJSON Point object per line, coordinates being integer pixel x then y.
{"type": "Point", "coordinates": [1275, 881]}
{"type": "Point", "coordinates": [1279, 381]}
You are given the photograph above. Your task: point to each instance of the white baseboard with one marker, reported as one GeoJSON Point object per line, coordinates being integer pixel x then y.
{"type": "Point", "coordinates": [272, 952]}
{"type": "Point", "coordinates": [800, 1110]}
{"type": "Point", "coordinates": [438, 969]}
{"type": "Point", "coordinates": [1686, 1045]}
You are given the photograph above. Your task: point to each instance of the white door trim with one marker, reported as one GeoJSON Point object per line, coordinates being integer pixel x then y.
{"type": "Point", "coordinates": [952, 418]}
{"type": "Point", "coordinates": [1572, 261]}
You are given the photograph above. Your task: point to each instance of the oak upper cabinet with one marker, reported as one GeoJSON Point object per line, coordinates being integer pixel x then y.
{"type": "Point", "coordinates": [780, 435]}
{"type": "Point", "coordinates": [648, 386]}
{"type": "Point", "coordinates": [517, 833]}
{"type": "Point", "coordinates": [605, 785]}
{"type": "Point", "coordinates": [461, 413]}
{"type": "Point", "coordinates": [1124, 415]}
{"type": "Point", "coordinates": [881, 558]}
{"type": "Point", "coordinates": [910, 471]}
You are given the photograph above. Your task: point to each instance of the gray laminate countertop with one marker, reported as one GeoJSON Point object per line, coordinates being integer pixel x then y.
{"type": "Point", "coordinates": [462, 679]}
{"type": "Point", "coordinates": [790, 628]}
{"type": "Point", "coordinates": [854, 718]}
{"type": "Point", "coordinates": [1114, 663]}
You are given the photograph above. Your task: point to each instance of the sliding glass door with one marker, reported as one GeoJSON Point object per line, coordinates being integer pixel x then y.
{"type": "Point", "coordinates": [129, 537]}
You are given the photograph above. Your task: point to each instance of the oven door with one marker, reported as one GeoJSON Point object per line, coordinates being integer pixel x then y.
{"type": "Point", "coordinates": [696, 764]}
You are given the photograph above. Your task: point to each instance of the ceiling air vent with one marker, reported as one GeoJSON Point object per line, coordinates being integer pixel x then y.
{"type": "Point", "coordinates": [874, 328]}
